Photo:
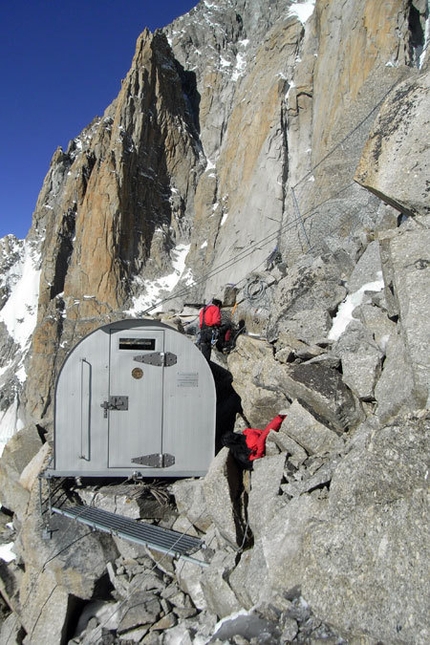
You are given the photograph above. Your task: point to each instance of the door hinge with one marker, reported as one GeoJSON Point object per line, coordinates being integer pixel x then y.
{"type": "Point", "coordinates": [160, 359]}
{"type": "Point", "coordinates": [156, 460]}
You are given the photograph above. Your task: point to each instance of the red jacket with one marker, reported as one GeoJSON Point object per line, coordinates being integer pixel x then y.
{"type": "Point", "coordinates": [256, 439]}
{"type": "Point", "coordinates": [210, 316]}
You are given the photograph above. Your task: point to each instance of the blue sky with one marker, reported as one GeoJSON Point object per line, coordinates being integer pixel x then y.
{"type": "Point", "coordinates": [61, 64]}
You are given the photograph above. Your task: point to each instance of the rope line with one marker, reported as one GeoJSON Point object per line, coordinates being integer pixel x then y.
{"type": "Point", "coordinates": [268, 239]}
{"type": "Point", "coordinates": [346, 137]}
{"type": "Point", "coordinates": [283, 227]}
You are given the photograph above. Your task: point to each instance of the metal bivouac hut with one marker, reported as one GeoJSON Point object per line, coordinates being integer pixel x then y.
{"type": "Point", "coordinates": [134, 398]}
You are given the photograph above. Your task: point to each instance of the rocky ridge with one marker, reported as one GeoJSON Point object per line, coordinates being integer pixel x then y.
{"type": "Point", "coordinates": [326, 540]}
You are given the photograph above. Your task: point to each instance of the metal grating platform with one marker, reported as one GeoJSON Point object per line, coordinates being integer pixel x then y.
{"type": "Point", "coordinates": [155, 537]}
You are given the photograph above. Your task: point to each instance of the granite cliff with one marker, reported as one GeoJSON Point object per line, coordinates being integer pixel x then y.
{"type": "Point", "coordinates": [274, 155]}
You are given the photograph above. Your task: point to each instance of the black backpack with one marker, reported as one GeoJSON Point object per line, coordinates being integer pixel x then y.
{"type": "Point", "coordinates": [236, 443]}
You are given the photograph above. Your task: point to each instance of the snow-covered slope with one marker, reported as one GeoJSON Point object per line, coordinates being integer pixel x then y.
{"type": "Point", "coordinates": [19, 288]}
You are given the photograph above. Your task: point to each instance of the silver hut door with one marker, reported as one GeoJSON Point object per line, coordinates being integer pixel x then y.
{"type": "Point", "coordinates": [135, 403]}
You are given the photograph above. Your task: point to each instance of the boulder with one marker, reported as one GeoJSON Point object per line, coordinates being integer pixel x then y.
{"type": "Point", "coordinates": [44, 595]}
{"type": "Point", "coordinates": [96, 619]}
{"type": "Point", "coordinates": [179, 601]}
{"type": "Point", "coordinates": [129, 550]}
{"type": "Point", "coordinates": [31, 472]}
{"type": "Point", "coordinates": [189, 577]}
{"type": "Point", "coordinates": [283, 544]}
{"type": "Point", "coordinates": [288, 348]}
{"type": "Point", "coordinates": [219, 595]}
{"type": "Point", "coordinates": [319, 388]}
{"type": "Point", "coordinates": [312, 325]}
{"type": "Point", "coordinates": [263, 497]}
{"type": "Point", "coordinates": [407, 265]}
{"type": "Point", "coordinates": [248, 625]}
{"type": "Point", "coordinates": [275, 564]}
{"type": "Point", "coordinates": [296, 453]}
{"type": "Point", "coordinates": [396, 158]}
{"type": "Point", "coordinates": [308, 481]}
{"type": "Point", "coordinates": [389, 464]}
{"type": "Point", "coordinates": [367, 568]}
{"type": "Point", "coordinates": [361, 359]}
{"type": "Point", "coordinates": [17, 454]}
{"type": "Point", "coordinates": [248, 365]}
{"type": "Point", "coordinates": [272, 448]}
{"type": "Point", "coordinates": [178, 634]}
{"type": "Point", "coordinates": [305, 297]}
{"type": "Point", "coordinates": [128, 501]}
{"type": "Point", "coordinates": [264, 385]}
{"type": "Point", "coordinates": [344, 252]}
{"type": "Point", "coordinates": [222, 488]}
{"type": "Point", "coordinates": [395, 386]}
{"type": "Point", "coordinates": [183, 525]}
{"type": "Point", "coordinates": [248, 580]}
{"type": "Point", "coordinates": [145, 610]}
{"type": "Point", "coordinates": [128, 575]}
{"type": "Point", "coordinates": [368, 268]}
{"type": "Point", "coordinates": [376, 322]}
{"type": "Point", "coordinates": [310, 434]}
{"type": "Point", "coordinates": [135, 501]}
{"type": "Point", "coordinates": [371, 571]}
{"type": "Point", "coordinates": [190, 501]}
{"type": "Point", "coordinates": [166, 622]}
{"type": "Point", "coordinates": [60, 546]}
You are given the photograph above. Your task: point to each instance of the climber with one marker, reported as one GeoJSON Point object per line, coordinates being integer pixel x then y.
{"type": "Point", "coordinates": [251, 443]}
{"type": "Point", "coordinates": [209, 323]}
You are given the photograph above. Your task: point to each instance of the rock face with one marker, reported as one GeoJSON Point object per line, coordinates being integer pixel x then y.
{"type": "Point", "coordinates": [384, 167]}
{"type": "Point", "coordinates": [356, 547]}
{"type": "Point", "coordinates": [272, 156]}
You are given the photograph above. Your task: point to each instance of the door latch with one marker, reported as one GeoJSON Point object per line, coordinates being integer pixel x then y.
{"type": "Point", "coordinates": [115, 403]}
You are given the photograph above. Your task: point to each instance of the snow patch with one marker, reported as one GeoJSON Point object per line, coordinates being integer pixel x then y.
{"type": "Point", "coordinates": [9, 424]}
{"type": "Point", "coordinates": [384, 342]}
{"type": "Point", "coordinates": [424, 52]}
{"type": "Point", "coordinates": [239, 67]}
{"type": "Point", "coordinates": [21, 374]}
{"type": "Point", "coordinates": [6, 552]}
{"type": "Point", "coordinates": [353, 300]}
{"type": "Point", "coordinates": [303, 11]}
{"type": "Point", "coordinates": [188, 278]}
{"type": "Point", "coordinates": [156, 289]}
{"type": "Point", "coordinates": [19, 312]}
